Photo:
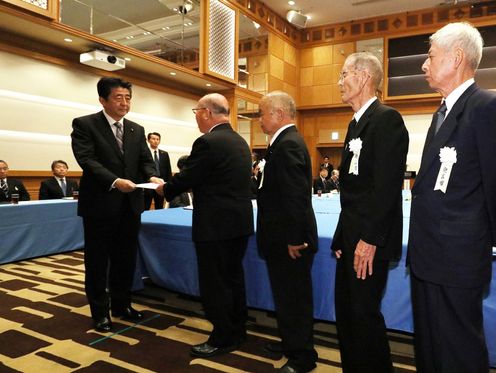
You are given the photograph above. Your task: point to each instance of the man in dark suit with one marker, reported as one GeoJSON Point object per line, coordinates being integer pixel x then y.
{"type": "Point", "coordinates": [163, 170]}
{"type": "Point", "coordinates": [114, 157]}
{"type": "Point", "coordinates": [369, 230]}
{"type": "Point", "coordinates": [218, 170]}
{"type": "Point", "coordinates": [321, 183]}
{"type": "Point", "coordinates": [287, 231]}
{"type": "Point", "coordinates": [9, 186]}
{"type": "Point", "coordinates": [334, 180]}
{"type": "Point", "coordinates": [328, 166]}
{"type": "Point", "coordinates": [58, 186]}
{"type": "Point", "coordinates": [453, 215]}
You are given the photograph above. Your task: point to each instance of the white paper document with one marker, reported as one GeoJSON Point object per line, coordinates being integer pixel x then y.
{"type": "Point", "coordinates": [147, 185]}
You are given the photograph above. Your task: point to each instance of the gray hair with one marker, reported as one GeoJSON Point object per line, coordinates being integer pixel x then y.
{"type": "Point", "coordinates": [460, 35]}
{"type": "Point", "coordinates": [368, 62]}
{"type": "Point", "coordinates": [281, 100]}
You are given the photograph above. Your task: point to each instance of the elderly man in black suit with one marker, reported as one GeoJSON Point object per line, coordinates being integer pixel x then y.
{"type": "Point", "coordinates": [163, 170]}
{"type": "Point", "coordinates": [218, 170]}
{"type": "Point", "coordinates": [9, 186]}
{"type": "Point", "coordinates": [113, 154]}
{"type": "Point", "coordinates": [58, 186]}
{"type": "Point", "coordinates": [287, 231]}
{"type": "Point", "coordinates": [369, 230]}
{"type": "Point", "coordinates": [453, 216]}
{"type": "Point", "coordinates": [320, 183]}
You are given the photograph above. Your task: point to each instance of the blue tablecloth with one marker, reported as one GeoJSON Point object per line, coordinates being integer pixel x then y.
{"type": "Point", "coordinates": [167, 256]}
{"type": "Point", "coordinates": [38, 228]}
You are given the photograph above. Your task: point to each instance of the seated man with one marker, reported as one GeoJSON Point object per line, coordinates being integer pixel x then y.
{"type": "Point", "coordinates": [321, 183]}
{"type": "Point", "coordinates": [185, 198]}
{"type": "Point", "coordinates": [9, 186]}
{"type": "Point", "coordinates": [58, 186]}
{"type": "Point", "coordinates": [334, 180]}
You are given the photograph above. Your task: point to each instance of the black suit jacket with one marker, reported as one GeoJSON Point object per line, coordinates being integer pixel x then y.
{"type": "Point", "coordinates": [15, 186]}
{"type": "Point", "coordinates": [50, 188]}
{"type": "Point", "coordinates": [371, 202]}
{"type": "Point", "coordinates": [218, 170]}
{"type": "Point", "coordinates": [451, 233]}
{"type": "Point", "coordinates": [164, 164]}
{"type": "Point", "coordinates": [285, 212]}
{"type": "Point", "coordinates": [96, 150]}
{"type": "Point", "coordinates": [318, 184]}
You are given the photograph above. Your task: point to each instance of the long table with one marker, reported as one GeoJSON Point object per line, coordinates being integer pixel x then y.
{"type": "Point", "coordinates": [168, 258]}
{"type": "Point", "coordinates": [38, 228]}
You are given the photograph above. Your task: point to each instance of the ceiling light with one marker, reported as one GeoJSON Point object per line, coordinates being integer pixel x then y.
{"type": "Point", "coordinates": [173, 73]}
{"type": "Point", "coordinates": [68, 40]}
{"type": "Point", "coordinates": [127, 58]}
{"type": "Point", "coordinates": [257, 26]}
{"type": "Point", "coordinates": [208, 85]}
{"type": "Point", "coordinates": [291, 2]}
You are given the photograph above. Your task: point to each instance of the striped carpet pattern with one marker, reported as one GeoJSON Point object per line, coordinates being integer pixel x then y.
{"type": "Point", "coordinates": [45, 326]}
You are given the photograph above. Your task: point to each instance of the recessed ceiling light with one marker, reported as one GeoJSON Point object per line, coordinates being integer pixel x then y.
{"type": "Point", "coordinates": [173, 73]}
{"type": "Point", "coordinates": [68, 40]}
{"type": "Point", "coordinates": [114, 40]}
{"type": "Point", "coordinates": [309, 17]}
{"type": "Point", "coordinates": [291, 2]}
{"type": "Point", "coordinates": [127, 58]}
{"type": "Point", "coordinates": [208, 85]}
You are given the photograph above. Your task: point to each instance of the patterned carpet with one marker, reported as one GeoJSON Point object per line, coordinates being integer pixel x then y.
{"type": "Point", "coordinates": [45, 327]}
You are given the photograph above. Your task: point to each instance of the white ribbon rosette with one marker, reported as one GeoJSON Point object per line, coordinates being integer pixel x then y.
{"type": "Point", "coordinates": [261, 166]}
{"type": "Point", "coordinates": [355, 146]}
{"type": "Point", "coordinates": [447, 156]}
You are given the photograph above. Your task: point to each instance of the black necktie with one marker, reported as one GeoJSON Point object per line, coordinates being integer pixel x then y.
{"type": "Point", "coordinates": [4, 187]}
{"type": "Point", "coordinates": [157, 163]}
{"type": "Point", "coordinates": [119, 135]}
{"type": "Point", "coordinates": [439, 116]}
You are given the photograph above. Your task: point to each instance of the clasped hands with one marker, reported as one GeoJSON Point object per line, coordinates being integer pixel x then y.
{"type": "Point", "coordinates": [363, 260]}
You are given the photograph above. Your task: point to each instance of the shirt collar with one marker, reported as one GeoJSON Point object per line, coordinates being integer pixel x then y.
{"type": "Point", "coordinates": [455, 95]}
{"type": "Point", "coordinates": [362, 110]}
{"type": "Point", "coordinates": [112, 120]}
{"type": "Point", "coordinates": [278, 132]}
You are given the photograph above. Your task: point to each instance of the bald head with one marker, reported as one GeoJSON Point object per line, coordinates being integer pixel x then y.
{"type": "Point", "coordinates": [213, 109]}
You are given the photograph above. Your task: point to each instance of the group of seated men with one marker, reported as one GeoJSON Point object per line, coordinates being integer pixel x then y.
{"type": "Point", "coordinates": [55, 187]}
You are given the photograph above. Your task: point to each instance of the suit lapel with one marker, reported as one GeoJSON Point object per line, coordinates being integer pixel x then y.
{"type": "Point", "coordinates": [355, 130]}
{"type": "Point", "coordinates": [435, 142]}
{"type": "Point", "coordinates": [272, 147]}
{"type": "Point", "coordinates": [104, 128]}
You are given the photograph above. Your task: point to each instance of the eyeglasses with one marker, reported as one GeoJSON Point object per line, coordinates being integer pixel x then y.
{"type": "Point", "coordinates": [194, 110]}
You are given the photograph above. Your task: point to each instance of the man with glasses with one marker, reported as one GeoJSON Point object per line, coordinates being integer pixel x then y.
{"type": "Point", "coordinates": [218, 170]}
{"type": "Point", "coordinates": [9, 186]}
{"type": "Point", "coordinates": [369, 230]}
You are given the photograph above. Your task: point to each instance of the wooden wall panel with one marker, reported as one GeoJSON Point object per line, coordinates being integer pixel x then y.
{"type": "Point", "coordinates": [276, 67]}
{"type": "Point", "coordinates": [290, 75]}
{"type": "Point", "coordinates": [306, 57]}
{"type": "Point", "coordinates": [322, 75]}
{"type": "Point", "coordinates": [290, 54]}
{"type": "Point", "coordinates": [276, 46]}
{"type": "Point", "coordinates": [322, 55]}
{"type": "Point", "coordinates": [306, 76]}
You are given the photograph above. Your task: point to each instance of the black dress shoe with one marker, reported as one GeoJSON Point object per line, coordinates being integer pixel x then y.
{"type": "Point", "coordinates": [103, 324]}
{"type": "Point", "coordinates": [206, 350]}
{"type": "Point", "coordinates": [129, 314]}
{"type": "Point", "coordinates": [289, 367]}
{"type": "Point", "coordinates": [274, 347]}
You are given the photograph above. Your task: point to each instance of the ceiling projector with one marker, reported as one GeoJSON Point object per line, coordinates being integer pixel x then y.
{"type": "Point", "coordinates": [102, 60]}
